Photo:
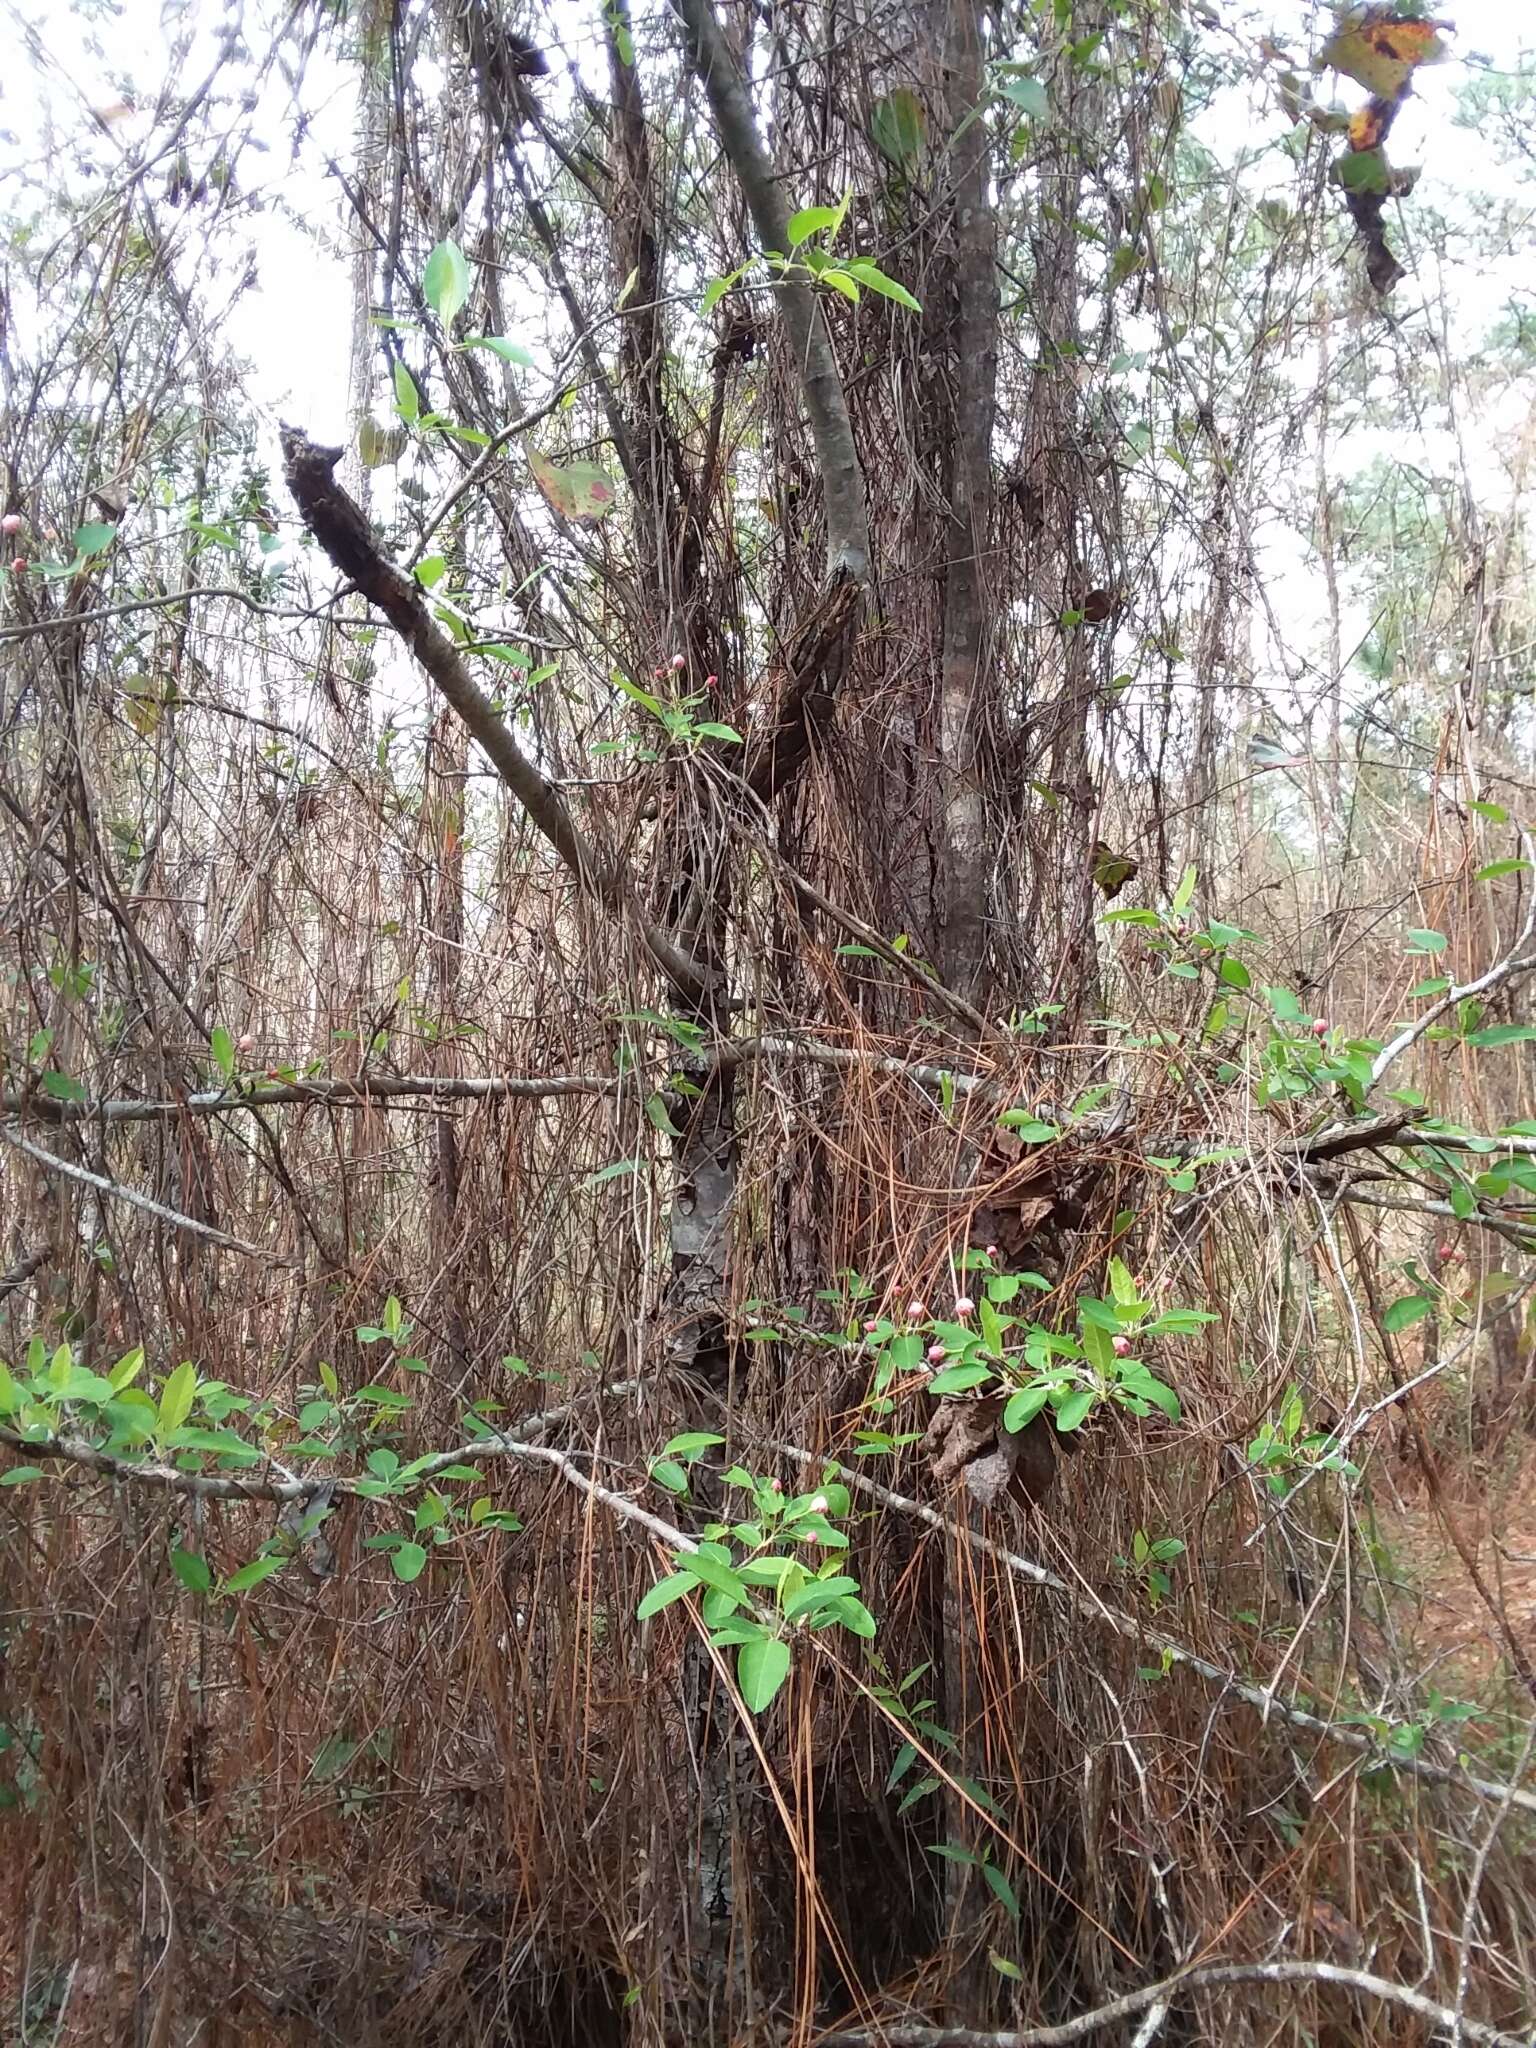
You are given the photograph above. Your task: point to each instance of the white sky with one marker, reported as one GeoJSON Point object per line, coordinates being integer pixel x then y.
{"type": "Point", "coordinates": [294, 324]}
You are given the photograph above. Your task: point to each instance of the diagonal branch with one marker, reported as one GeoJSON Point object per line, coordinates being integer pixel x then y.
{"type": "Point", "coordinates": [1093, 1609]}
{"type": "Point", "coordinates": [1520, 959]}
{"type": "Point", "coordinates": [348, 541]}
{"type": "Point", "coordinates": [114, 1191]}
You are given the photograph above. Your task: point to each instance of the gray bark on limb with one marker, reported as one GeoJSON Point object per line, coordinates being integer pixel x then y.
{"type": "Point", "coordinates": [842, 481]}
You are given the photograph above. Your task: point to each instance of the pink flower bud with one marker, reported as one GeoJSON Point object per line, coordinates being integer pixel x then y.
{"type": "Point", "coordinates": [679, 663]}
{"type": "Point", "coordinates": [937, 1354]}
{"type": "Point", "coordinates": [870, 1329]}
{"type": "Point", "coordinates": [245, 1042]}
{"type": "Point", "coordinates": [1120, 1346]}
{"type": "Point", "coordinates": [916, 1310]}
{"type": "Point", "coordinates": [964, 1306]}
{"type": "Point", "coordinates": [711, 682]}
{"type": "Point", "coordinates": [19, 566]}
{"type": "Point", "coordinates": [1319, 1027]}
{"type": "Point", "coordinates": [991, 1251]}
{"type": "Point", "coordinates": [11, 523]}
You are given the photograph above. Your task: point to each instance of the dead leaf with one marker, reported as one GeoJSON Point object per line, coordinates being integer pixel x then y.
{"type": "Point", "coordinates": [1111, 870]}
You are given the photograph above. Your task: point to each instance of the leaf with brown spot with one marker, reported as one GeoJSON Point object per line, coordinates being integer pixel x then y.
{"type": "Point", "coordinates": [578, 491]}
{"type": "Point", "coordinates": [1379, 50]}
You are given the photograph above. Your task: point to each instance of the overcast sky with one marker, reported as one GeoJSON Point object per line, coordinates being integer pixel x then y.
{"type": "Point", "coordinates": [294, 324]}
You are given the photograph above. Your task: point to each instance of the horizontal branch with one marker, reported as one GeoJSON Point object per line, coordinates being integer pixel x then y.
{"type": "Point", "coordinates": [514, 1443]}
{"type": "Point", "coordinates": [379, 1089]}
{"type": "Point", "coordinates": [60, 620]}
{"type": "Point", "coordinates": [362, 1093]}
{"type": "Point", "coordinates": [1522, 1236]}
{"type": "Point", "coordinates": [1205, 1977]}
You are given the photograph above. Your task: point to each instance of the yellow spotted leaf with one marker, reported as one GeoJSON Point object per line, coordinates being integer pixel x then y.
{"type": "Point", "coordinates": [1379, 50]}
{"type": "Point", "coordinates": [1367, 127]}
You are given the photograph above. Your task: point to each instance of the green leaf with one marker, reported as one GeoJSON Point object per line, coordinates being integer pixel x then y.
{"type": "Point", "coordinates": [407, 1561]}
{"type": "Point", "coordinates": [253, 1573]}
{"type": "Point", "coordinates": [1407, 1310]}
{"type": "Point", "coordinates": [94, 540]}
{"type": "Point", "coordinates": [1495, 868]}
{"type": "Point", "coordinates": [841, 282]}
{"type": "Point", "coordinates": [20, 1475]}
{"type": "Point", "coordinates": [851, 1614]}
{"type": "Point", "coordinates": [664, 1592]}
{"type": "Point", "coordinates": [810, 220]}
{"type": "Point", "coordinates": [176, 1398]}
{"type": "Point", "coordinates": [659, 1116]}
{"type": "Point", "coordinates": [691, 1442]}
{"type": "Point", "coordinates": [1029, 94]}
{"type": "Point", "coordinates": [616, 1171]}
{"type": "Point", "coordinates": [498, 344]}
{"type": "Point", "coordinates": [1363, 170]}
{"type": "Point", "coordinates": [1023, 1407]}
{"type": "Point", "coordinates": [897, 125]}
{"type": "Point", "coordinates": [431, 572]}
{"type": "Point", "coordinates": [1184, 895]}
{"type": "Point", "coordinates": [407, 401]}
{"type": "Point", "coordinates": [1003, 1967]}
{"type": "Point", "coordinates": [874, 279]}
{"type": "Point", "coordinates": [1426, 942]}
{"type": "Point", "coordinates": [1235, 974]}
{"type": "Point", "coordinates": [761, 1668]}
{"type": "Point", "coordinates": [715, 1574]}
{"type": "Point", "coordinates": [1027, 1126]}
{"type": "Point", "coordinates": [817, 1593]}
{"type": "Point", "coordinates": [1503, 1034]}
{"type": "Point", "coordinates": [1074, 1410]}
{"type": "Point", "coordinates": [1001, 1889]}
{"type": "Point", "coordinates": [710, 730]}
{"type": "Point", "coordinates": [222, 1046]}
{"type": "Point", "coordinates": [445, 282]}
{"type": "Point", "coordinates": [192, 1570]}
{"type": "Point", "coordinates": [62, 1087]}
{"type": "Point", "coordinates": [956, 1379]}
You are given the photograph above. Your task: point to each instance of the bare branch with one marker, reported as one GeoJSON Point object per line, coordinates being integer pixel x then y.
{"type": "Point", "coordinates": [348, 541]}
{"type": "Point", "coordinates": [1093, 1609]}
{"type": "Point", "coordinates": [1208, 1976]}
{"type": "Point", "coordinates": [116, 1192]}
